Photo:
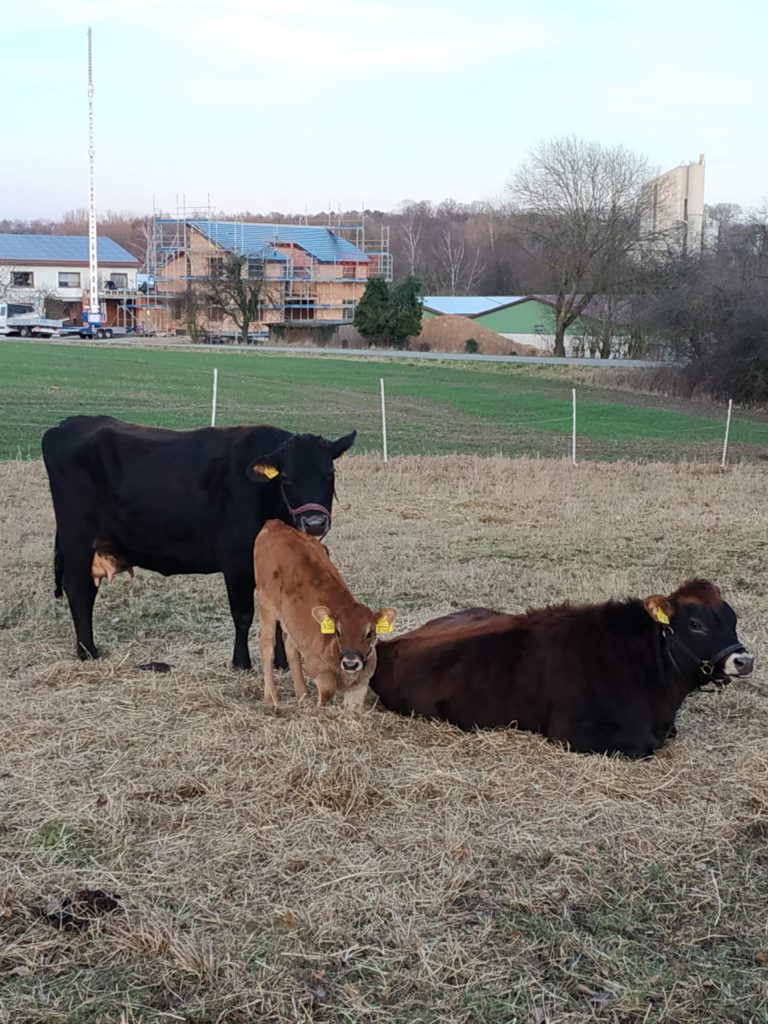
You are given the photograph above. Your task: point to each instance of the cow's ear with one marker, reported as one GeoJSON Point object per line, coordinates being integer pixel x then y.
{"type": "Point", "coordinates": [261, 471]}
{"type": "Point", "coordinates": [339, 447]}
{"type": "Point", "coordinates": [659, 608]}
{"type": "Point", "coordinates": [385, 620]}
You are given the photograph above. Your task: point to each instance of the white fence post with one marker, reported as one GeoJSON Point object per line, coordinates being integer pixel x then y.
{"type": "Point", "coordinates": [573, 441]}
{"type": "Point", "coordinates": [383, 420]}
{"type": "Point", "coordinates": [215, 394]}
{"type": "Point", "coordinates": [727, 432]}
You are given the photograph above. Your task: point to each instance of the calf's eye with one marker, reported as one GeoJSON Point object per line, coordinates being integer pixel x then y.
{"type": "Point", "coordinates": [696, 626]}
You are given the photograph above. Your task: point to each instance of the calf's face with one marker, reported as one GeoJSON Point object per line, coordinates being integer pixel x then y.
{"type": "Point", "coordinates": [702, 626]}
{"type": "Point", "coordinates": [356, 632]}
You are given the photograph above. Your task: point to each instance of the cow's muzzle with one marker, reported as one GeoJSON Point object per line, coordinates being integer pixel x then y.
{"type": "Point", "coordinates": [312, 519]}
{"type": "Point", "coordinates": [739, 664]}
{"type": "Point", "coordinates": [351, 661]}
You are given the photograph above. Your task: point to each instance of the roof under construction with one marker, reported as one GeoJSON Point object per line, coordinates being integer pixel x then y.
{"type": "Point", "coordinates": [251, 239]}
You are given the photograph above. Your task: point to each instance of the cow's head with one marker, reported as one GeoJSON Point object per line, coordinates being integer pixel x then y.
{"type": "Point", "coordinates": [302, 467]}
{"type": "Point", "coordinates": [700, 631]}
{"type": "Point", "coordinates": [356, 630]}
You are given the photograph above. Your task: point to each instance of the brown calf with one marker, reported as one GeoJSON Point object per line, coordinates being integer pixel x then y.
{"type": "Point", "coordinates": [327, 632]}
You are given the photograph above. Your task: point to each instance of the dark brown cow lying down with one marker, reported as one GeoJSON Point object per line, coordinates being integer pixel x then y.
{"type": "Point", "coordinates": [605, 678]}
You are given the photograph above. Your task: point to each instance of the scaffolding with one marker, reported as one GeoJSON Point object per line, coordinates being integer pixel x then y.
{"type": "Point", "coordinates": [187, 251]}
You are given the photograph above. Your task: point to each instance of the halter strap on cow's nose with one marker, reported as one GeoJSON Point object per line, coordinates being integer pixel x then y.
{"type": "Point", "coordinates": [706, 666]}
{"type": "Point", "coordinates": [310, 506]}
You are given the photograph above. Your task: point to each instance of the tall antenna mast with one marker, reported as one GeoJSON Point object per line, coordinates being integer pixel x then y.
{"type": "Point", "coordinates": [94, 310]}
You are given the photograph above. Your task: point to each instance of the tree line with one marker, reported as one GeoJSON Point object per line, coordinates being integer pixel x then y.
{"type": "Point", "coordinates": [567, 225]}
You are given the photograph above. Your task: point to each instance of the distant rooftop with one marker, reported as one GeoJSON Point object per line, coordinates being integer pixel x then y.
{"type": "Point", "coordinates": [467, 305]}
{"type": "Point", "coordinates": [60, 249]}
{"type": "Point", "coordinates": [252, 239]}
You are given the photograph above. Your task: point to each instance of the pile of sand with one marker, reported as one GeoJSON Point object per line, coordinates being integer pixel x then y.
{"type": "Point", "coordinates": [450, 334]}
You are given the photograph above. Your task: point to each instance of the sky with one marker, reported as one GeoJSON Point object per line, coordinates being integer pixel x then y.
{"type": "Point", "coordinates": [290, 105]}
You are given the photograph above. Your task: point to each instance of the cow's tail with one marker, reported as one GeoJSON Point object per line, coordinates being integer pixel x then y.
{"type": "Point", "coordinates": [58, 568]}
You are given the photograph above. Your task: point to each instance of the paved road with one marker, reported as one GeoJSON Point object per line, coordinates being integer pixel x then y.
{"type": "Point", "coordinates": [369, 353]}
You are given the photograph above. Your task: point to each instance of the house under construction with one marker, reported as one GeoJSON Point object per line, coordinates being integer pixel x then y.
{"type": "Point", "coordinates": [306, 274]}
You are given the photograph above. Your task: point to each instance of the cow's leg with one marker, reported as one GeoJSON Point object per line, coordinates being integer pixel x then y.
{"type": "Point", "coordinates": [279, 661]}
{"type": "Point", "coordinates": [240, 593]}
{"type": "Point", "coordinates": [81, 593]}
{"type": "Point", "coordinates": [326, 683]}
{"type": "Point", "coordinates": [297, 671]}
{"type": "Point", "coordinates": [267, 623]}
{"type": "Point", "coordinates": [58, 568]}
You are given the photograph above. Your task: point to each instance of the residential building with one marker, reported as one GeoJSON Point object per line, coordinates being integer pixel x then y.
{"type": "Point", "coordinates": [306, 274]}
{"type": "Point", "coordinates": [52, 273]}
{"type": "Point", "coordinates": [676, 221]}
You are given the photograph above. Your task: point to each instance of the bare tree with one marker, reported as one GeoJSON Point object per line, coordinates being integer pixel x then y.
{"type": "Point", "coordinates": [457, 269]}
{"type": "Point", "coordinates": [411, 233]}
{"type": "Point", "coordinates": [581, 205]}
{"type": "Point", "coordinates": [242, 291]}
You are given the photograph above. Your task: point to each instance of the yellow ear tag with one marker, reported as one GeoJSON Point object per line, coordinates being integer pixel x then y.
{"type": "Point", "coordinates": [662, 617]}
{"type": "Point", "coordinates": [268, 471]}
{"type": "Point", "coordinates": [328, 626]}
{"type": "Point", "coordinates": [383, 626]}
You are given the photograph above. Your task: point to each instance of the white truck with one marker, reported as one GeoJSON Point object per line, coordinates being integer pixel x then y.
{"type": "Point", "coordinates": [17, 318]}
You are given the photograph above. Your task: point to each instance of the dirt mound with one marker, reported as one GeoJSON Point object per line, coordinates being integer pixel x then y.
{"type": "Point", "coordinates": [450, 334]}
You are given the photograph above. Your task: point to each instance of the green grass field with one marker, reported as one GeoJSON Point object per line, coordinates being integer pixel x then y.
{"type": "Point", "coordinates": [432, 408]}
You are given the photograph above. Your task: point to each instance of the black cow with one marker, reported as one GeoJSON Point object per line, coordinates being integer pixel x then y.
{"type": "Point", "coordinates": [180, 502]}
{"type": "Point", "coordinates": [602, 678]}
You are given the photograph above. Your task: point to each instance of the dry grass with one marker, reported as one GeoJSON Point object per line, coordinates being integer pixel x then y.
{"type": "Point", "coordinates": [306, 865]}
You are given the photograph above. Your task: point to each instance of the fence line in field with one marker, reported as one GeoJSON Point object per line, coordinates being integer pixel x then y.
{"type": "Point", "coordinates": [514, 425]}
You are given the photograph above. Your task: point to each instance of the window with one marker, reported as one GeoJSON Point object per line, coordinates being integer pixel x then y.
{"type": "Point", "coordinates": [215, 266]}
{"type": "Point", "coordinates": [255, 268]}
{"type": "Point", "coordinates": [539, 329]}
{"type": "Point", "coordinates": [119, 280]}
{"type": "Point", "coordinates": [349, 270]}
{"type": "Point", "coordinates": [69, 279]}
{"type": "Point", "coordinates": [348, 309]}
{"type": "Point", "coordinates": [22, 279]}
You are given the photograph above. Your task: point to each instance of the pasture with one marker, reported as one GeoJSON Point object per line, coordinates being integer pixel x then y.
{"type": "Point", "coordinates": [433, 409]}
{"type": "Point", "coordinates": [301, 865]}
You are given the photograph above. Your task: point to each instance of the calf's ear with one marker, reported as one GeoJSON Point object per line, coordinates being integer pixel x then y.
{"type": "Point", "coordinates": [322, 615]}
{"type": "Point", "coordinates": [385, 620]}
{"type": "Point", "coordinates": [659, 608]}
{"type": "Point", "coordinates": [342, 444]}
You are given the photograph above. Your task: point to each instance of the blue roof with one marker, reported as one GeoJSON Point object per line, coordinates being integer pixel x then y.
{"type": "Point", "coordinates": [321, 243]}
{"type": "Point", "coordinates": [467, 305]}
{"type": "Point", "coordinates": [59, 249]}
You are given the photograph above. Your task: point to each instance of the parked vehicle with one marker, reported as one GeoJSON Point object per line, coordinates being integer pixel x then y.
{"type": "Point", "coordinates": [21, 320]}
{"type": "Point", "coordinates": [89, 331]}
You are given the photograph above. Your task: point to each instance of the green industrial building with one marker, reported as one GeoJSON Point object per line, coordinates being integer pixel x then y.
{"type": "Point", "coordinates": [522, 316]}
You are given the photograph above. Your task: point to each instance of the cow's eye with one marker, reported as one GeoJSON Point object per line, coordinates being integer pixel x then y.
{"type": "Point", "coordinates": [368, 633]}
{"type": "Point", "coordinates": [696, 626]}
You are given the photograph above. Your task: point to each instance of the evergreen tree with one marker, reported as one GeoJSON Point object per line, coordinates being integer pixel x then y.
{"type": "Point", "coordinates": [373, 309]}
{"type": "Point", "coordinates": [404, 312]}
{"type": "Point", "coordinates": [389, 315]}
